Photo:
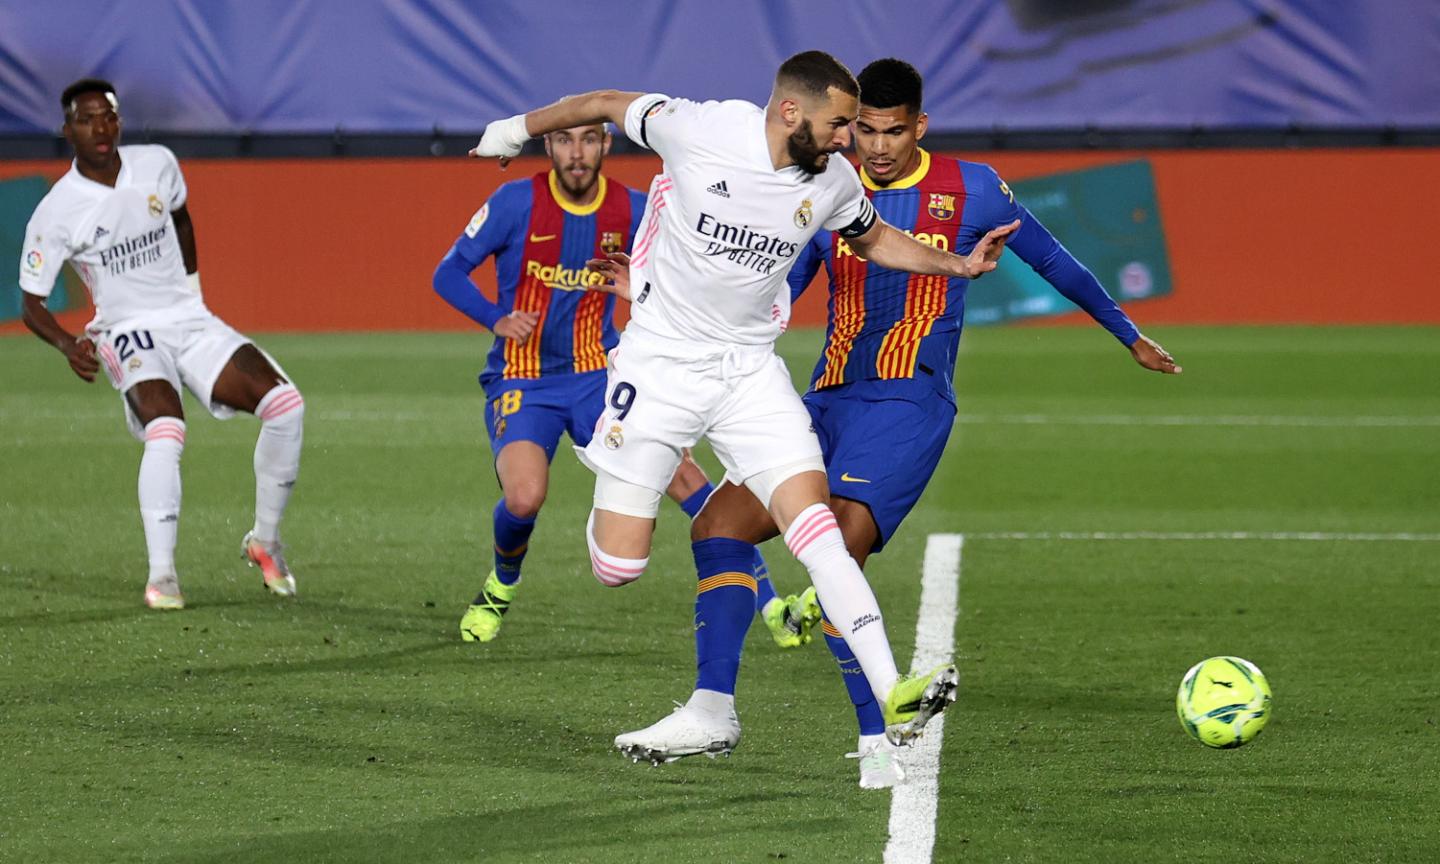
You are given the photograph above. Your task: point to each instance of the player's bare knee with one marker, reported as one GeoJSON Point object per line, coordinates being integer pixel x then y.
{"type": "Point", "coordinates": [524, 500]}
{"type": "Point", "coordinates": [609, 569]}
{"type": "Point", "coordinates": [151, 400]}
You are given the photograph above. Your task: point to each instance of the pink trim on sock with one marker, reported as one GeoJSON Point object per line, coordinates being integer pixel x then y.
{"type": "Point", "coordinates": [809, 529]}
{"type": "Point", "coordinates": [159, 430]}
{"type": "Point", "coordinates": [613, 575]}
{"type": "Point", "coordinates": [282, 403]}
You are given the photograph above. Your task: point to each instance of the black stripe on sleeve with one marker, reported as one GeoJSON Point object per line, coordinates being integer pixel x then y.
{"type": "Point", "coordinates": [645, 116]}
{"type": "Point", "coordinates": [864, 222]}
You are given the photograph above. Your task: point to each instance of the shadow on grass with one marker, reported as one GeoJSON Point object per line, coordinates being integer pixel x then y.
{"type": "Point", "coordinates": [663, 827]}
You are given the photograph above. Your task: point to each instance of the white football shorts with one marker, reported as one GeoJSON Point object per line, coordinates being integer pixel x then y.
{"type": "Point", "coordinates": [191, 354]}
{"type": "Point", "coordinates": [664, 395]}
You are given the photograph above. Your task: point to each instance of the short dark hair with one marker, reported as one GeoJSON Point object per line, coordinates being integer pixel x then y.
{"type": "Point", "coordinates": [890, 83]}
{"type": "Point", "coordinates": [81, 87]}
{"type": "Point", "coordinates": [815, 72]}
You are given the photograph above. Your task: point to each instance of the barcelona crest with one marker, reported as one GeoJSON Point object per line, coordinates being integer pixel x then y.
{"type": "Point", "coordinates": [942, 206]}
{"type": "Point", "coordinates": [611, 241]}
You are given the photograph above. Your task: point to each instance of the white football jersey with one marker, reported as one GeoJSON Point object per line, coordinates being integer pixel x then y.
{"type": "Point", "coordinates": [121, 240]}
{"type": "Point", "coordinates": [722, 227]}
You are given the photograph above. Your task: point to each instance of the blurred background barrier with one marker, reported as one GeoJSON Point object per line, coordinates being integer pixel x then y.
{"type": "Point", "coordinates": [412, 66]}
{"type": "Point", "coordinates": [1265, 236]}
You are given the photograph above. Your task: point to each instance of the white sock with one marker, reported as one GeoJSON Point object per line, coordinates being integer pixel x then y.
{"type": "Point", "coordinates": [712, 701]}
{"type": "Point", "coordinates": [277, 457]}
{"type": "Point", "coordinates": [159, 488]}
{"type": "Point", "coordinates": [868, 741]}
{"type": "Point", "coordinates": [814, 538]}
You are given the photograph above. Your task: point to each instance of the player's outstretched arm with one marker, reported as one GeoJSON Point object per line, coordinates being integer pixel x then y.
{"type": "Point", "coordinates": [1148, 353]}
{"type": "Point", "coordinates": [79, 352]}
{"type": "Point", "coordinates": [615, 268]}
{"type": "Point", "coordinates": [504, 138]}
{"type": "Point", "coordinates": [897, 250]}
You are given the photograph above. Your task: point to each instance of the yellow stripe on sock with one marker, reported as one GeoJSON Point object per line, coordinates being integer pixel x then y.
{"type": "Point", "coordinates": [720, 580]}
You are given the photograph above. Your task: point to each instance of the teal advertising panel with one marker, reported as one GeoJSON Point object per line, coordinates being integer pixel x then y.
{"type": "Point", "coordinates": [1107, 217]}
{"type": "Point", "coordinates": [18, 199]}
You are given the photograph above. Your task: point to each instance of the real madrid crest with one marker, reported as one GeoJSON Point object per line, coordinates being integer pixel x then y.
{"type": "Point", "coordinates": [804, 214]}
{"type": "Point", "coordinates": [156, 208]}
{"type": "Point", "coordinates": [613, 439]}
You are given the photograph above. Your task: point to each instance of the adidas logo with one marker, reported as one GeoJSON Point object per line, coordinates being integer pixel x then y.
{"type": "Point", "coordinates": [99, 232]}
{"type": "Point", "coordinates": [719, 189]}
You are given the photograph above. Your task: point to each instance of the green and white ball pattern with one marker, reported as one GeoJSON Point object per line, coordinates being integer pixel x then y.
{"type": "Point", "coordinates": [1223, 701]}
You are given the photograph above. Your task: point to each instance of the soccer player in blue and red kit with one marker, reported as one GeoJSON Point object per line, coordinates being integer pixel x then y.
{"type": "Point", "coordinates": [546, 371]}
{"type": "Point", "coordinates": [881, 396]}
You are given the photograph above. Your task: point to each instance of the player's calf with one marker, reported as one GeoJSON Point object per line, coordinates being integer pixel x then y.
{"type": "Point", "coordinates": [277, 457]}
{"type": "Point", "coordinates": [159, 493]}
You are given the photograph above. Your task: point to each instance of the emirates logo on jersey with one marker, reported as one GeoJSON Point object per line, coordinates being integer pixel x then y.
{"type": "Point", "coordinates": [156, 208]}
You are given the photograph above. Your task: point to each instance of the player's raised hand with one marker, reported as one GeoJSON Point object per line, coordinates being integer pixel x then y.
{"type": "Point", "coordinates": [615, 268]}
{"type": "Point", "coordinates": [83, 362]}
{"type": "Point", "coordinates": [1148, 353]}
{"type": "Point", "coordinates": [982, 259]}
{"type": "Point", "coordinates": [502, 138]}
{"type": "Point", "coordinates": [517, 326]}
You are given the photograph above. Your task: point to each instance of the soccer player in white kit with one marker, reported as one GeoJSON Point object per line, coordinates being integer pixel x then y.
{"type": "Point", "coordinates": [742, 190]}
{"type": "Point", "coordinates": [119, 217]}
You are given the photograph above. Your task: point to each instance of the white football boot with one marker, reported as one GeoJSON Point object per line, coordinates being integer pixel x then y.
{"type": "Point", "coordinates": [691, 729]}
{"type": "Point", "coordinates": [879, 763]}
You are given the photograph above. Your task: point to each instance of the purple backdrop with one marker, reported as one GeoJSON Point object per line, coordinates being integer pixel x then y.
{"type": "Point", "coordinates": [410, 65]}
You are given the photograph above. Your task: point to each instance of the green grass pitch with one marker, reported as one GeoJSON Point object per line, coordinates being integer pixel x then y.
{"type": "Point", "coordinates": [354, 726]}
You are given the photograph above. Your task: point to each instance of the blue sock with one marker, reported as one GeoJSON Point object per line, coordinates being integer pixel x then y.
{"type": "Point", "coordinates": [764, 588]}
{"type": "Point", "coordinates": [512, 541]}
{"type": "Point", "coordinates": [724, 605]}
{"type": "Point", "coordinates": [867, 710]}
{"type": "Point", "coordinates": [692, 505]}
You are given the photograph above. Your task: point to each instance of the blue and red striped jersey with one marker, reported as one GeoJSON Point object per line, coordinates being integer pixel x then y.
{"type": "Point", "coordinates": [540, 242]}
{"type": "Point", "coordinates": [889, 324]}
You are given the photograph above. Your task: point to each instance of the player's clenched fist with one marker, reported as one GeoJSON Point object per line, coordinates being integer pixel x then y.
{"type": "Point", "coordinates": [502, 138]}
{"type": "Point", "coordinates": [81, 354]}
{"type": "Point", "coordinates": [517, 326]}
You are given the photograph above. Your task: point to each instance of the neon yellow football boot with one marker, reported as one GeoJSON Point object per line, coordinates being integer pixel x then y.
{"type": "Point", "coordinates": [791, 619]}
{"type": "Point", "coordinates": [482, 620]}
{"type": "Point", "coordinates": [915, 699]}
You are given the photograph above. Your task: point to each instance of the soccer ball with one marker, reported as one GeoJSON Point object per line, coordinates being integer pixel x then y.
{"type": "Point", "coordinates": [1223, 701]}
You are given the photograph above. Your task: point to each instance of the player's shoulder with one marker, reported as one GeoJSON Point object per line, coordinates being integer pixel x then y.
{"type": "Point", "coordinates": [70, 194]}
{"type": "Point", "coordinates": [514, 194]}
{"type": "Point", "coordinates": [721, 113]}
{"type": "Point", "coordinates": [980, 176]}
{"type": "Point", "coordinates": [147, 155]}
{"type": "Point", "coordinates": [983, 183]}
{"type": "Point", "coordinates": [637, 196]}
{"type": "Point", "coordinates": [839, 173]}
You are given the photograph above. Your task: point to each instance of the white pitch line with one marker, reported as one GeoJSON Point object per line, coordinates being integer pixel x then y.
{"type": "Point", "coordinates": [1338, 421]}
{"type": "Point", "coordinates": [1309, 536]}
{"type": "Point", "coordinates": [915, 803]}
